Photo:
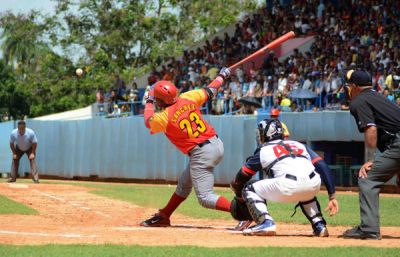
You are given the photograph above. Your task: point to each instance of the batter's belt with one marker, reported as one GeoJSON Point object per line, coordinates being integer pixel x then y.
{"type": "Point", "coordinates": [206, 142]}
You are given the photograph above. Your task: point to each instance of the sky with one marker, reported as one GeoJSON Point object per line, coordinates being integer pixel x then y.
{"type": "Point", "coordinates": [24, 6]}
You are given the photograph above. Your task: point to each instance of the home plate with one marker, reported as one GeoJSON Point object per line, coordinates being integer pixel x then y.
{"type": "Point", "coordinates": [14, 185]}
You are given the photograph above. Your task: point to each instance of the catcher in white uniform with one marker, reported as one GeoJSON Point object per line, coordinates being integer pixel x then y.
{"type": "Point", "coordinates": [294, 172]}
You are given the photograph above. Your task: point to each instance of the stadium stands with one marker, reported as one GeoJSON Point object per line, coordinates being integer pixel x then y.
{"type": "Point", "coordinates": [346, 34]}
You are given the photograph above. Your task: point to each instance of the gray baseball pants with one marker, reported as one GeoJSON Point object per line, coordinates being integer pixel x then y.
{"type": "Point", "coordinates": [199, 173]}
{"type": "Point", "coordinates": [383, 169]}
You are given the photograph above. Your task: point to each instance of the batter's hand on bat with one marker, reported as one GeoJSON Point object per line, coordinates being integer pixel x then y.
{"type": "Point", "coordinates": [150, 94]}
{"type": "Point", "coordinates": [225, 72]}
{"type": "Point", "coordinates": [333, 207]}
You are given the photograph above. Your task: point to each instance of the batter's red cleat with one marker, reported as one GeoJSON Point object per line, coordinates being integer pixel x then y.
{"type": "Point", "coordinates": [158, 220]}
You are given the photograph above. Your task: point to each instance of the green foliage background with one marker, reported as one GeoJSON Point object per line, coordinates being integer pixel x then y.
{"type": "Point", "coordinates": [104, 38]}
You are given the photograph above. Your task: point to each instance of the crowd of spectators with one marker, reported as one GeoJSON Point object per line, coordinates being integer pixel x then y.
{"type": "Point", "coordinates": [348, 34]}
{"type": "Point", "coordinates": [118, 100]}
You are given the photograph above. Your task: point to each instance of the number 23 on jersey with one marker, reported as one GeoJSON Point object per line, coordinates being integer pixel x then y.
{"type": "Point", "coordinates": [186, 124]}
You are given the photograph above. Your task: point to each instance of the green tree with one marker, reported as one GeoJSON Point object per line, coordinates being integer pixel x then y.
{"type": "Point", "coordinates": [22, 37]}
{"type": "Point", "coordinates": [12, 100]}
{"type": "Point", "coordinates": [104, 38]}
{"type": "Point", "coordinates": [133, 33]}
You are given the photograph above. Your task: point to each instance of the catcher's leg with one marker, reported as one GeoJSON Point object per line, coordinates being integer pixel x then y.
{"type": "Point", "coordinates": [312, 211]}
{"type": "Point", "coordinates": [259, 212]}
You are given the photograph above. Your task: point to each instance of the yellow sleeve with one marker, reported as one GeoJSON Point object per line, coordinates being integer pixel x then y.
{"type": "Point", "coordinates": [285, 130]}
{"type": "Point", "coordinates": [199, 96]}
{"type": "Point", "coordinates": [159, 121]}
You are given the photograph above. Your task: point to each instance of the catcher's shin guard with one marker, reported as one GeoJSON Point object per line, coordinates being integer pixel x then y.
{"type": "Point", "coordinates": [257, 206]}
{"type": "Point", "coordinates": [312, 210]}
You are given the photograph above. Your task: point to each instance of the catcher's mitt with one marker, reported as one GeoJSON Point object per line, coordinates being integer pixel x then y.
{"type": "Point", "coordinates": [239, 210]}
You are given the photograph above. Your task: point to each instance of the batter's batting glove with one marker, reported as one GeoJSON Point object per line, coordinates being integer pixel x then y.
{"type": "Point", "coordinates": [150, 94]}
{"type": "Point", "coordinates": [224, 73]}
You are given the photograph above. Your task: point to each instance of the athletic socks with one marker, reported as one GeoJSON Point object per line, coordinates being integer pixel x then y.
{"type": "Point", "coordinates": [223, 204]}
{"type": "Point", "coordinates": [173, 203]}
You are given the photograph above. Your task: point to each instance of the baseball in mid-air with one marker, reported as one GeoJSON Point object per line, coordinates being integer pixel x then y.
{"type": "Point", "coordinates": [79, 72]}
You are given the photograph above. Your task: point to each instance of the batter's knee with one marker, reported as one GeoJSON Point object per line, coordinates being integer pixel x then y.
{"type": "Point", "coordinates": [183, 191]}
{"type": "Point", "coordinates": [207, 200]}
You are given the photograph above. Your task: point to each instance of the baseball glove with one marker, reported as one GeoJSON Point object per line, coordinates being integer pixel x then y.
{"type": "Point", "coordinates": [239, 210]}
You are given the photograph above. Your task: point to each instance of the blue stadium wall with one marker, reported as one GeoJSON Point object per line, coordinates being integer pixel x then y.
{"type": "Point", "coordinates": [123, 147]}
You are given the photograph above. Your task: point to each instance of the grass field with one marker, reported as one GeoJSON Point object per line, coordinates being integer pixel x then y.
{"type": "Point", "coordinates": [156, 196]}
{"type": "Point", "coordinates": [186, 251]}
{"type": "Point", "coordinates": [8, 206]}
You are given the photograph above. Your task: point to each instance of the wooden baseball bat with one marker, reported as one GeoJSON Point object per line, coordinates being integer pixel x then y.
{"type": "Point", "coordinates": [266, 48]}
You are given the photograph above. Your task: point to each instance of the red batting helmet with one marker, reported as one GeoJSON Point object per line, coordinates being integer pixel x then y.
{"type": "Point", "coordinates": [166, 92]}
{"type": "Point", "coordinates": [274, 113]}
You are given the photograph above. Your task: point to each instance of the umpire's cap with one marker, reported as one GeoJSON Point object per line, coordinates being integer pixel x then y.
{"type": "Point", "coordinates": [358, 77]}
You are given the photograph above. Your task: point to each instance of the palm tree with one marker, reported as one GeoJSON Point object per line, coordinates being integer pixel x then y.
{"type": "Point", "coordinates": [21, 35]}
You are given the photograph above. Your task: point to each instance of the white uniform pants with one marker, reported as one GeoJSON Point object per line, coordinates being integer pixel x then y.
{"type": "Point", "coordinates": [284, 189]}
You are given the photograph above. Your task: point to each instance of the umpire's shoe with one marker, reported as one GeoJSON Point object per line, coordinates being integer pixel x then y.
{"type": "Point", "coordinates": [267, 228]}
{"type": "Point", "coordinates": [357, 233]}
{"type": "Point", "coordinates": [158, 220]}
{"type": "Point", "coordinates": [320, 229]}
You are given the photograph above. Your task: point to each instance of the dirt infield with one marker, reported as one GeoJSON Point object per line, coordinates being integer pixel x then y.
{"type": "Point", "coordinates": [70, 214]}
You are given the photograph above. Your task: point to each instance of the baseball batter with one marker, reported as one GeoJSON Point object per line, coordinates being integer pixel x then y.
{"type": "Point", "coordinates": [296, 173]}
{"type": "Point", "coordinates": [182, 123]}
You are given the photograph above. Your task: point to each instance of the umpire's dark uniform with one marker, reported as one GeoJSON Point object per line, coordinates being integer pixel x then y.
{"type": "Point", "coordinates": [371, 108]}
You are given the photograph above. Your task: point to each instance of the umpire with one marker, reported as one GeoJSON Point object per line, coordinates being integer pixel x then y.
{"type": "Point", "coordinates": [23, 141]}
{"type": "Point", "coordinates": [379, 120]}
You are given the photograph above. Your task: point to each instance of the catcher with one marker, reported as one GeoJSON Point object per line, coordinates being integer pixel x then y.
{"type": "Point", "coordinates": [296, 173]}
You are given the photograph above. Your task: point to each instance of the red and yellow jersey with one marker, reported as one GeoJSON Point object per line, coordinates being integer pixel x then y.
{"type": "Point", "coordinates": [182, 122]}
